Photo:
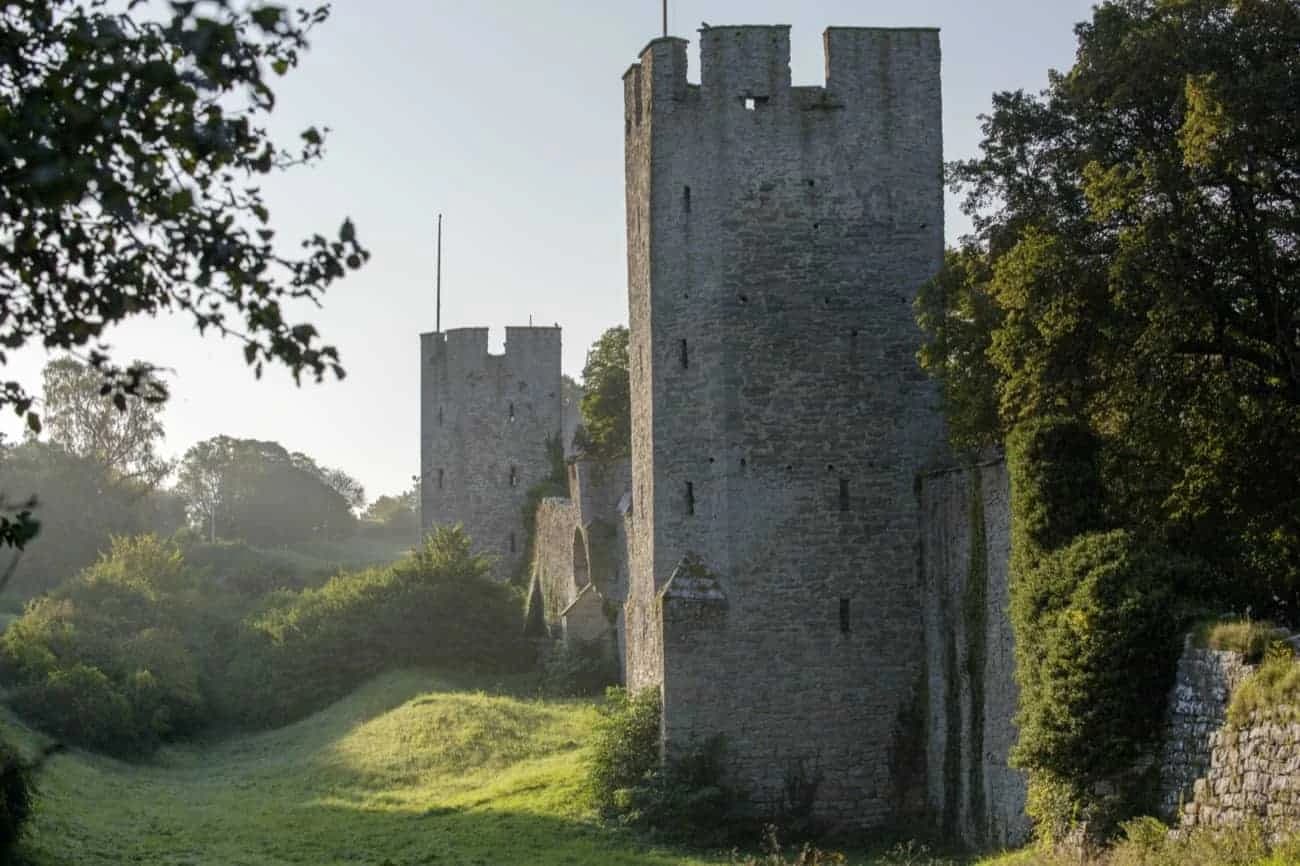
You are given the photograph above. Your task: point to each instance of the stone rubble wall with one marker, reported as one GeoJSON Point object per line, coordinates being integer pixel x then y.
{"type": "Point", "coordinates": [1254, 776]}
{"type": "Point", "coordinates": [1198, 707]}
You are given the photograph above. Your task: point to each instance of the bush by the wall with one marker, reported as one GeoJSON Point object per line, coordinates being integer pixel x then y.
{"type": "Point", "coordinates": [624, 748]}
{"type": "Point", "coordinates": [685, 800]}
{"type": "Point", "coordinates": [15, 799]}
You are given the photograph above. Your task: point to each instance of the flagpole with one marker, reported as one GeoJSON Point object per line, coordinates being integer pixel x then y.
{"type": "Point", "coordinates": [438, 320]}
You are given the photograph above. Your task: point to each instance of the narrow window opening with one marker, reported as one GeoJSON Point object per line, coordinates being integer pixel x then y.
{"type": "Point", "coordinates": [439, 416]}
{"type": "Point", "coordinates": [514, 477]}
{"type": "Point", "coordinates": [845, 618]}
{"type": "Point", "coordinates": [690, 498]}
{"type": "Point", "coordinates": [750, 103]}
{"type": "Point", "coordinates": [844, 494]}
{"type": "Point", "coordinates": [744, 299]}
{"type": "Point", "coordinates": [686, 357]}
{"type": "Point", "coordinates": [442, 475]}
{"type": "Point", "coordinates": [512, 542]}
{"type": "Point", "coordinates": [686, 199]}
{"type": "Point", "coordinates": [512, 412]}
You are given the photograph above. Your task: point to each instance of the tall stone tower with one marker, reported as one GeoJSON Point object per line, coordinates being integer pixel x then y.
{"type": "Point", "coordinates": [485, 421]}
{"type": "Point", "coordinates": [777, 236]}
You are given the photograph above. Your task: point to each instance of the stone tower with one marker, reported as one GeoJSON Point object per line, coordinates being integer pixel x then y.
{"type": "Point", "coordinates": [777, 236]}
{"type": "Point", "coordinates": [485, 421]}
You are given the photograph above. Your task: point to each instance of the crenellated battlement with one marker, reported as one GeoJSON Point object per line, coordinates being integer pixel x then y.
{"type": "Point", "coordinates": [467, 348]}
{"type": "Point", "coordinates": [747, 67]}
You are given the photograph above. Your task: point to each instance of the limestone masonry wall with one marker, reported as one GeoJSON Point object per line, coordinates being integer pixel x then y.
{"type": "Point", "coordinates": [1253, 777]}
{"type": "Point", "coordinates": [777, 236]}
{"type": "Point", "coordinates": [580, 566]}
{"type": "Point", "coordinates": [484, 424]}
{"type": "Point", "coordinates": [1197, 712]}
{"type": "Point", "coordinates": [1215, 775]}
{"type": "Point", "coordinates": [971, 690]}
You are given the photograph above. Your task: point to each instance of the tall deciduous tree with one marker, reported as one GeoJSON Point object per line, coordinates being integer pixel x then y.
{"type": "Point", "coordinates": [607, 396]}
{"type": "Point", "coordinates": [261, 493]}
{"type": "Point", "coordinates": [131, 151]}
{"type": "Point", "coordinates": [1136, 264]}
{"type": "Point", "coordinates": [123, 438]}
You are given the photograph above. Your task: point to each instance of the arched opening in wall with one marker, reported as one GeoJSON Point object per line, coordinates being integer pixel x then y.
{"type": "Point", "coordinates": [581, 567]}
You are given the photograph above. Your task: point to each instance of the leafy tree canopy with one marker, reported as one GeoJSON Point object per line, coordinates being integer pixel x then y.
{"type": "Point", "coordinates": [261, 493]}
{"type": "Point", "coordinates": [1136, 264]}
{"type": "Point", "coordinates": [124, 438]}
{"type": "Point", "coordinates": [607, 397]}
{"type": "Point", "coordinates": [132, 147]}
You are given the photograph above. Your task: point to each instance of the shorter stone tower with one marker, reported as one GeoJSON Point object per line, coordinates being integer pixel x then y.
{"type": "Point", "coordinates": [485, 424]}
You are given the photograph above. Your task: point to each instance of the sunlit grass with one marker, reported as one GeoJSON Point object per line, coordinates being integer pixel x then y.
{"type": "Point", "coordinates": [411, 769]}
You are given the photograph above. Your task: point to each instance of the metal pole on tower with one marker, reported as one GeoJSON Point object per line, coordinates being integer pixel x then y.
{"type": "Point", "coordinates": [438, 321]}
{"type": "Point", "coordinates": [665, 19]}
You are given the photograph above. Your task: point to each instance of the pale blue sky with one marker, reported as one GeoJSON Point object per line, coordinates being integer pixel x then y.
{"type": "Point", "coordinates": [506, 116]}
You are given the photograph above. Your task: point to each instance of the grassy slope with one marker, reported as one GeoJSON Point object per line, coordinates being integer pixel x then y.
{"type": "Point", "coordinates": [408, 770]}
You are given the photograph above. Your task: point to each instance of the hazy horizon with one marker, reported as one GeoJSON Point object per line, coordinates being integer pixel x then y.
{"type": "Point", "coordinates": [517, 140]}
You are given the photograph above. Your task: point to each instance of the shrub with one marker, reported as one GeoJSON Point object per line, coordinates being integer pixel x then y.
{"type": "Point", "coordinates": [579, 668]}
{"type": "Point", "coordinates": [112, 659]}
{"type": "Point", "coordinates": [625, 747]}
{"type": "Point", "coordinates": [80, 704]}
{"type": "Point", "coordinates": [685, 800]}
{"type": "Point", "coordinates": [1273, 690]}
{"type": "Point", "coordinates": [15, 799]}
{"type": "Point", "coordinates": [301, 650]}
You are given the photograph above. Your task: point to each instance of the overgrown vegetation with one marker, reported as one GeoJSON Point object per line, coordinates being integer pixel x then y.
{"type": "Point", "coordinates": [1147, 842]}
{"type": "Point", "coordinates": [1251, 638]}
{"type": "Point", "coordinates": [684, 799]}
{"type": "Point", "coordinates": [300, 651]}
{"type": "Point", "coordinates": [1272, 692]}
{"type": "Point", "coordinates": [139, 650]}
{"type": "Point", "coordinates": [114, 659]}
{"type": "Point", "coordinates": [1097, 634]}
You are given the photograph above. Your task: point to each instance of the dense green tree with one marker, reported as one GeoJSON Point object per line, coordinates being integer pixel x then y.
{"type": "Point", "coordinates": [258, 492]}
{"type": "Point", "coordinates": [607, 396]}
{"type": "Point", "coordinates": [131, 149]}
{"type": "Point", "coordinates": [1136, 265]}
{"type": "Point", "coordinates": [394, 516]}
{"type": "Point", "coordinates": [123, 439]}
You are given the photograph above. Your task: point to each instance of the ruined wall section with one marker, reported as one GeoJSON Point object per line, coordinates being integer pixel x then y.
{"type": "Point", "coordinates": [484, 423]}
{"type": "Point", "coordinates": [971, 693]}
{"type": "Point", "coordinates": [578, 543]}
{"type": "Point", "coordinates": [777, 237]}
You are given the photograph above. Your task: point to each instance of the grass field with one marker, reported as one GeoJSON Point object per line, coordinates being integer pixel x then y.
{"type": "Point", "coordinates": [415, 768]}
{"type": "Point", "coordinates": [411, 769]}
